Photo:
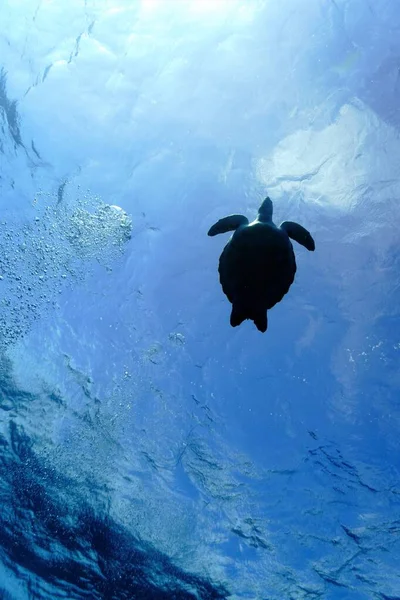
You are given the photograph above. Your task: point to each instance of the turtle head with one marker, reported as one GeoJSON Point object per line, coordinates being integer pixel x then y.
{"type": "Point", "coordinates": [265, 211]}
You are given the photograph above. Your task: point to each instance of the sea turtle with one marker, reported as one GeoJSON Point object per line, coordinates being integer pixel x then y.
{"type": "Point", "coordinates": [258, 265]}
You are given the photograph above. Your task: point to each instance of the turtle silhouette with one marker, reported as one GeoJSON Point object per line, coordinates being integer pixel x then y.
{"type": "Point", "coordinates": [258, 264]}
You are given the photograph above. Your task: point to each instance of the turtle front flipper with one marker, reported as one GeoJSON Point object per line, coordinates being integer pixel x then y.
{"type": "Point", "coordinates": [299, 234]}
{"type": "Point", "coordinates": [228, 224]}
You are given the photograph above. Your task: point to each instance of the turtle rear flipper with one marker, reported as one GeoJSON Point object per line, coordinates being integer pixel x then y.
{"type": "Point", "coordinates": [226, 224]}
{"type": "Point", "coordinates": [238, 315]}
{"type": "Point", "coordinates": [261, 321]}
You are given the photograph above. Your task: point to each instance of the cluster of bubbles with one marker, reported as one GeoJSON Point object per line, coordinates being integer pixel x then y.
{"type": "Point", "coordinates": [100, 235]}
{"type": "Point", "coordinates": [41, 257]}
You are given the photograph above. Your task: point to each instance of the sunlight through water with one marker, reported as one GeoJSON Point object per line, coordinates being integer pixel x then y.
{"type": "Point", "coordinates": [148, 449]}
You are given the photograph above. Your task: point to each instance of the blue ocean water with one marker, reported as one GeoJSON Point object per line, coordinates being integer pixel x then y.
{"type": "Point", "coordinates": [147, 449]}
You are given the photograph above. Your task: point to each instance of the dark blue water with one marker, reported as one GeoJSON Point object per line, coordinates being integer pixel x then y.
{"type": "Point", "coordinates": [147, 449]}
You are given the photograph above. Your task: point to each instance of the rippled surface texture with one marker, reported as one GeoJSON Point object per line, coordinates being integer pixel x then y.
{"type": "Point", "coordinates": [147, 449]}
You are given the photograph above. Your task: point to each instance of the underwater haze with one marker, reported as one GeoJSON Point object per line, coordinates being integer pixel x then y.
{"type": "Point", "coordinates": [148, 450]}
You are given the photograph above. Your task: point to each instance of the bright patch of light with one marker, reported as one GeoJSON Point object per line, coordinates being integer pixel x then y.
{"type": "Point", "coordinates": [115, 10]}
{"type": "Point", "coordinates": [313, 161]}
{"type": "Point", "coordinates": [190, 6]}
{"type": "Point", "coordinates": [150, 5]}
{"type": "Point", "coordinates": [210, 5]}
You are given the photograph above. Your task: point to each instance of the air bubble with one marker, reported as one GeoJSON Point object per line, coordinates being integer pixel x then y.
{"type": "Point", "coordinates": [36, 257]}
